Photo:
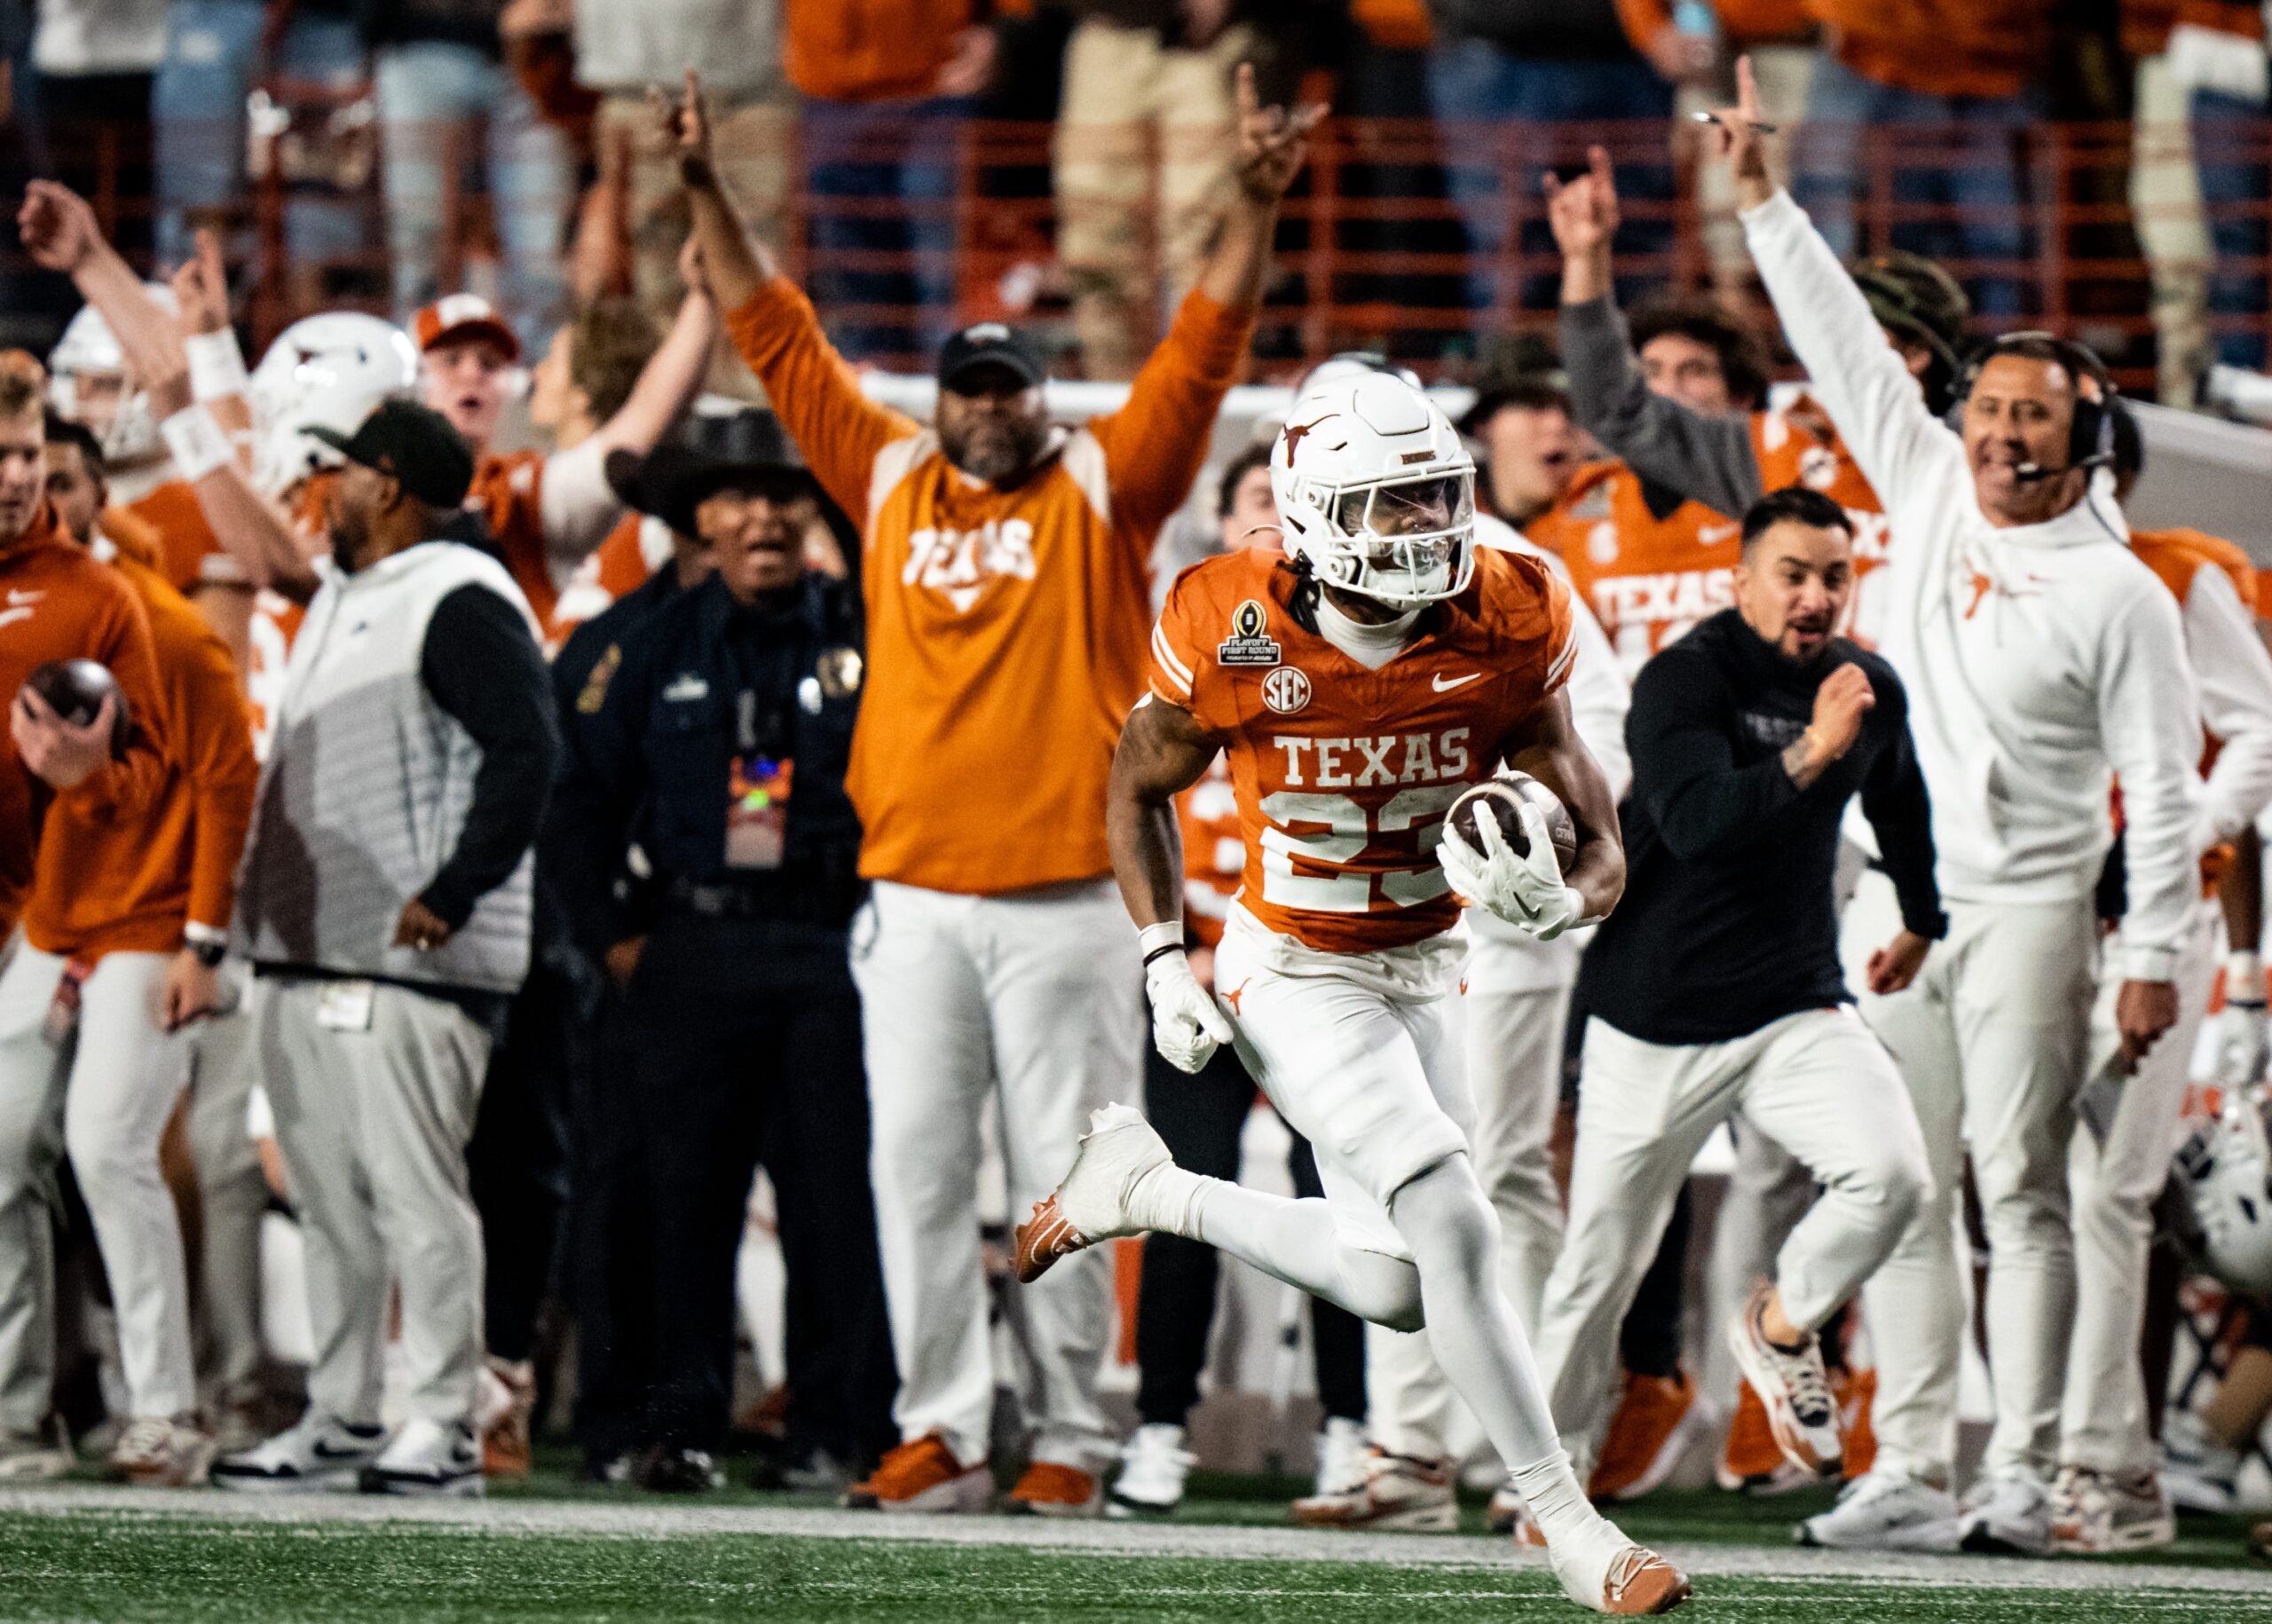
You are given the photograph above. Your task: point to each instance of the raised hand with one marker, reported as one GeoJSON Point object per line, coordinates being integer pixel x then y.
{"type": "Point", "coordinates": [58, 228]}
{"type": "Point", "coordinates": [1272, 143]}
{"type": "Point", "coordinates": [1737, 136]}
{"type": "Point", "coordinates": [685, 127]}
{"type": "Point", "coordinates": [201, 288]}
{"type": "Point", "coordinates": [1583, 211]}
{"type": "Point", "coordinates": [691, 269]}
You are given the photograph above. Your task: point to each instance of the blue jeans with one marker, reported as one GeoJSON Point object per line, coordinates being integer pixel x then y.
{"type": "Point", "coordinates": [1981, 135]}
{"type": "Point", "coordinates": [2236, 181]}
{"type": "Point", "coordinates": [197, 104]}
{"type": "Point", "coordinates": [869, 153]}
{"type": "Point", "coordinates": [442, 105]}
{"type": "Point", "coordinates": [1474, 81]}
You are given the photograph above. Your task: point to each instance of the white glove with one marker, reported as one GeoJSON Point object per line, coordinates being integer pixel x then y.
{"type": "Point", "coordinates": [2243, 1044]}
{"type": "Point", "coordinates": [1188, 1025]}
{"type": "Point", "coordinates": [1525, 891]}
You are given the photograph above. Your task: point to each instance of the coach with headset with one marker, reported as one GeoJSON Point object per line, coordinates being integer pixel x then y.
{"type": "Point", "coordinates": [2041, 658]}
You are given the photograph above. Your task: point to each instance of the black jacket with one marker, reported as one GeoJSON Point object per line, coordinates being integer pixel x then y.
{"type": "Point", "coordinates": [657, 728]}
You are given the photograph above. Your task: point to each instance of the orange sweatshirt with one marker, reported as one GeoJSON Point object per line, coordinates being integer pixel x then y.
{"type": "Point", "coordinates": [127, 885]}
{"type": "Point", "coordinates": [871, 50]}
{"type": "Point", "coordinates": [1006, 628]}
{"type": "Point", "coordinates": [58, 603]}
{"type": "Point", "coordinates": [1990, 47]}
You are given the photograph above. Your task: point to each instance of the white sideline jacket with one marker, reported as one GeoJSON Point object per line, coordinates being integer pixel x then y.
{"type": "Point", "coordinates": [2040, 660]}
{"type": "Point", "coordinates": [2235, 674]}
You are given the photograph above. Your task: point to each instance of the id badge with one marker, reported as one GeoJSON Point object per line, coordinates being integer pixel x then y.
{"type": "Point", "coordinates": [757, 811]}
{"type": "Point", "coordinates": [346, 1006]}
{"type": "Point", "coordinates": [63, 1009]}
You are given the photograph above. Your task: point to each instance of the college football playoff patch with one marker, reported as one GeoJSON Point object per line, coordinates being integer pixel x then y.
{"type": "Point", "coordinates": [1247, 645]}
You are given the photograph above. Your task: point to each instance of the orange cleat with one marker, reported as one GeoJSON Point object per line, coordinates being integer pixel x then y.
{"type": "Point", "coordinates": [1752, 1461]}
{"type": "Point", "coordinates": [1856, 1392]}
{"type": "Point", "coordinates": [1044, 1238]}
{"type": "Point", "coordinates": [1656, 1422]}
{"type": "Point", "coordinates": [1048, 1489]}
{"type": "Point", "coordinates": [923, 1475]}
{"type": "Point", "coordinates": [1642, 1585]}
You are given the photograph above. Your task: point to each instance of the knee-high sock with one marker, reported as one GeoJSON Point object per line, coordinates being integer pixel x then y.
{"type": "Point", "coordinates": [1292, 1240]}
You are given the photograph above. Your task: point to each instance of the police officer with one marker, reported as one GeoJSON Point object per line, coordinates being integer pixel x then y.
{"type": "Point", "coordinates": [714, 735]}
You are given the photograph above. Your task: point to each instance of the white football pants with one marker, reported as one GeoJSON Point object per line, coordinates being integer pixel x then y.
{"type": "Point", "coordinates": [1990, 1040]}
{"type": "Point", "coordinates": [104, 1095]}
{"type": "Point", "coordinates": [375, 1104]}
{"type": "Point", "coordinates": [1517, 1005]}
{"type": "Point", "coordinates": [2114, 1185]}
{"type": "Point", "coordinates": [1039, 995]}
{"type": "Point", "coordinates": [1818, 1083]}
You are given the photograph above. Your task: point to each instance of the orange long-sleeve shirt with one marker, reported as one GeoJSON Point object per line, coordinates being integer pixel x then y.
{"type": "Point", "coordinates": [1006, 628]}
{"type": "Point", "coordinates": [1989, 48]}
{"type": "Point", "coordinates": [126, 885]}
{"type": "Point", "coordinates": [57, 602]}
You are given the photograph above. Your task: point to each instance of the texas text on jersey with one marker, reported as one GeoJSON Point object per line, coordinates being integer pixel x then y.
{"type": "Point", "coordinates": [1342, 774]}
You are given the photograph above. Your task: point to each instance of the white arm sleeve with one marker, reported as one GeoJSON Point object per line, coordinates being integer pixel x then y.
{"type": "Point", "coordinates": [2235, 674]}
{"type": "Point", "coordinates": [2150, 721]}
{"type": "Point", "coordinates": [576, 504]}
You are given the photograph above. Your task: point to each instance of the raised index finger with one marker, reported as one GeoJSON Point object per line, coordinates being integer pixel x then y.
{"type": "Point", "coordinates": [1243, 88]}
{"type": "Point", "coordinates": [1746, 90]}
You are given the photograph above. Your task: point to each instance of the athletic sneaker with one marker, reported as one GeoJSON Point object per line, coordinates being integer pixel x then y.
{"type": "Point", "coordinates": [2007, 1512]}
{"type": "Point", "coordinates": [1792, 1386]}
{"type": "Point", "coordinates": [2197, 1469]}
{"type": "Point", "coordinates": [1886, 1509]}
{"type": "Point", "coordinates": [162, 1452]}
{"type": "Point", "coordinates": [2094, 1512]}
{"type": "Point", "coordinates": [1602, 1570]}
{"type": "Point", "coordinates": [663, 1470]}
{"type": "Point", "coordinates": [1048, 1489]}
{"type": "Point", "coordinates": [317, 1454]}
{"type": "Point", "coordinates": [923, 1475]}
{"type": "Point", "coordinates": [1152, 1465]}
{"type": "Point", "coordinates": [1752, 1461]}
{"type": "Point", "coordinates": [1657, 1419]}
{"type": "Point", "coordinates": [1397, 1492]}
{"type": "Point", "coordinates": [427, 1457]}
{"type": "Point", "coordinates": [1341, 1452]}
{"type": "Point", "coordinates": [27, 1455]}
{"type": "Point", "coordinates": [1092, 1203]}
{"type": "Point", "coordinates": [503, 1408]}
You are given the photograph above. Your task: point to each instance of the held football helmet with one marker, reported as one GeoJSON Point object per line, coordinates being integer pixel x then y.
{"type": "Point", "coordinates": [1377, 490]}
{"type": "Point", "coordinates": [88, 383]}
{"type": "Point", "coordinates": [323, 371]}
{"type": "Point", "coordinates": [2223, 1178]}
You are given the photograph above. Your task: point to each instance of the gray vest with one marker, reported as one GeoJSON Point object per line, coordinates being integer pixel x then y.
{"type": "Point", "coordinates": [366, 787]}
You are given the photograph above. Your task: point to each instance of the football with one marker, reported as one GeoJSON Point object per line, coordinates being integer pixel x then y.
{"type": "Point", "coordinates": [1501, 797]}
{"type": "Point", "coordinates": [75, 690]}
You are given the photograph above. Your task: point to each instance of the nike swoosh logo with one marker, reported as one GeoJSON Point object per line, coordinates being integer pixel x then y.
{"type": "Point", "coordinates": [325, 1452]}
{"type": "Point", "coordinates": [9, 616]}
{"type": "Point", "coordinates": [1709, 533]}
{"type": "Point", "coordinates": [15, 597]}
{"type": "Point", "coordinates": [1443, 687]}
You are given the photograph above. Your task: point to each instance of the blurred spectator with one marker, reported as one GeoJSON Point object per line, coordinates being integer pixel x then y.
{"type": "Point", "coordinates": [453, 122]}
{"type": "Point", "coordinates": [1146, 111]}
{"type": "Point", "coordinates": [1944, 90]}
{"type": "Point", "coordinates": [2166, 200]}
{"type": "Point", "coordinates": [217, 51]}
{"type": "Point", "coordinates": [887, 85]}
{"type": "Point", "coordinates": [1500, 61]}
{"type": "Point", "coordinates": [2216, 56]}
{"type": "Point", "coordinates": [620, 50]}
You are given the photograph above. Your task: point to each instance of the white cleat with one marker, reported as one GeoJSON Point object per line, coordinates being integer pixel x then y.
{"type": "Point", "coordinates": [1341, 1452]}
{"type": "Point", "coordinates": [2198, 1469]}
{"type": "Point", "coordinates": [1605, 1571]}
{"type": "Point", "coordinates": [1792, 1387]}
{"type": "Point", "coordinates": [2007, 1513]}
{"type": "Point", "coordinates": [1153, 1466]}
{"type": "Point", "coordinates": [1886, 1509]}
{"type": "Point", "coordinates": [2096, 1513]}
{"type": "Point", "coordinates": [1395, 1493]}
{"type": "Point", "coordinates": [319, 1454]}
{"type": "Point", "coordinates": [162, 1452]}
{"type": "Point", "coordinates": [1092, 1203]}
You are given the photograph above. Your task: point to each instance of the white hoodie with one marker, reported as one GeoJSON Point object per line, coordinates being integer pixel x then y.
{"type": "Point", "coordinates": [2041, 660]}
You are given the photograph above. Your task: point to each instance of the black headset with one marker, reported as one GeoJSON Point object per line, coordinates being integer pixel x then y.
{"type": "Point", "coordinates": [2090, 437]}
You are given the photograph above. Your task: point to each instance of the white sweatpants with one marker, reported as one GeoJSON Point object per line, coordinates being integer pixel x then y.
{"type": "Point", "coordinates": [1514, 1068]}
{"type": "Point", "coordinates": [233, 1196]}
{"type": "Point", "coordinates": [2114, 1185]}
{"type": "Point", "coordinates": [1990, 1040]}
{"type": "Point", "coordinates": [372, 1117]}
{"type": "Point", "coordinates": [1039, 995]}
{"type": "Point", "coordinates": [110, 1088]}
{"type": "Point", "coordinates": [1818, 1083]}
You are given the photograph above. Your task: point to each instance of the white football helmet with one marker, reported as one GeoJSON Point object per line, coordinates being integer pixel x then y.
{"type": "Point", "coordinates": [88, 383]}
{"type": "Point", "coordinates": [1377, 490]}
{"type": "Point", "coordinates": [323, 371]}
{"type": "Point", "coordinates": [2223, 1175]}
{"type": "Point", "coordinates": [1353, 364]}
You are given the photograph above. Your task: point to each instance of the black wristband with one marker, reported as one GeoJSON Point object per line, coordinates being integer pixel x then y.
{"type": "Point", "coordinates": [1162, 951]}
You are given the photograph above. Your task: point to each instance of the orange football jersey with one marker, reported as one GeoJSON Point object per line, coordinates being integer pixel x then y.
{"type": "Point", "coordinates": [1342, 776]}
{"type": "Point", "coordinates": [193, 556]}
{"type": "Point", "coordinates": [508, 493]}
{"type": "Point", "coordinates": [619, 567]}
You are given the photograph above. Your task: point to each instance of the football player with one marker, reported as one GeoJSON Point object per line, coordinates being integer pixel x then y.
{"type": "Point", "coordinates": [1358, 685]}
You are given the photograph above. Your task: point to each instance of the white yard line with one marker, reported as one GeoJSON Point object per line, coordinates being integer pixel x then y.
{"type": "Point", "coordinates": [1109, 1539]}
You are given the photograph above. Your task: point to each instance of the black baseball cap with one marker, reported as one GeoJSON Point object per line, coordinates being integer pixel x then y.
{"type": "Point", "coordinates": [413, 445]}
{"type": "Point", "coordinates": [994, 344]}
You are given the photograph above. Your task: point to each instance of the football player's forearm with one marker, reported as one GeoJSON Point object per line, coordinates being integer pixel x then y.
{"type": "Point", "coordinates": [2240, 893]}
{"type": "Point", "coordinates": [1147, 858]}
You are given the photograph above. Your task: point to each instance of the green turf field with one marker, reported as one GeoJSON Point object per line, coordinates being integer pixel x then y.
{"type": "Point", "coordinates": [83, 1552]}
